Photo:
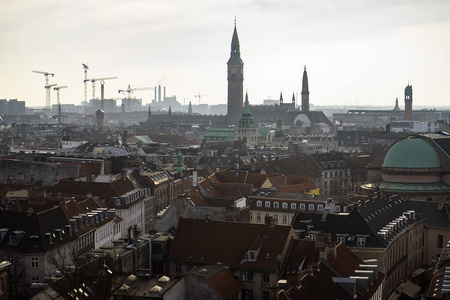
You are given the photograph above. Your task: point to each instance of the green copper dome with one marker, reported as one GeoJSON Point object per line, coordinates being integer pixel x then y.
{"type": "Point", "coordinates": [412, 153]}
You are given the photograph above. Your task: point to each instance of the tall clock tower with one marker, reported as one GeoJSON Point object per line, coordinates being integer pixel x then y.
{"type": "Point", "coordinates": [235, 82]}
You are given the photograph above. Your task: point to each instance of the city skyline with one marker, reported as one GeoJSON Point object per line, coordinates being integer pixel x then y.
{"type": "Point", "coordinates": [355, 53]}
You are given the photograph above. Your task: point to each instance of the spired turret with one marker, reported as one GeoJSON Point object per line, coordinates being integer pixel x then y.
{"type": "Point", "coordinates": [235, 81]}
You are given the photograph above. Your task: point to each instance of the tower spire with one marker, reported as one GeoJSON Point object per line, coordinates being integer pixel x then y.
{"type": "Point", "coordinates": [305, 92]}
{"type": "Point", "coordinates": [235, 81]}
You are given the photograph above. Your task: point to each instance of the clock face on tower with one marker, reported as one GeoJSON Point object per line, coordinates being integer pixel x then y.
{"type": "Point", "coordinates": [234, 70]}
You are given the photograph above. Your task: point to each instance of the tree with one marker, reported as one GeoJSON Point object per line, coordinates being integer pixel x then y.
{"type": "Point", "coordinates": [85, 277]}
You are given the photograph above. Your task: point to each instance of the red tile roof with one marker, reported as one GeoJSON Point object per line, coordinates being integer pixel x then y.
{"type": "Point", "coordinates": [210, 242]}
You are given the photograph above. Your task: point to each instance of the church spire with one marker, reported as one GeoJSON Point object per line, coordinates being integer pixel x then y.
{"type": "Point", "coordinates": [246, 103]}
{"type": "Point", "coordinates": [281, 98]}
{"type": "Point", "coordinates": [305, 92]}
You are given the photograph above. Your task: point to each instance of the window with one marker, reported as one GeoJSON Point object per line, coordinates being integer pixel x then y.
{"type": "Point", "coordinates": [247, 294]}
{"type": "Point", "coordinates": [247, 276]}
{"type": "Point", "coordinates": [284, 205]}
{"type": "Point", "coordinates": [267, 203]}
{"type": "Point", "coordinates": [320, 207]}
{"type": "Point", "coordinates": [340, 239]}
{"type": "Point", "coordinates": [13, 239]}
{"type": "Point", "coordinates": [19, 262]}
{"type": "Point", "coordinates": [264, 295]}
{"type": "Point", "coordinates": [35, 279]}
{"type": "Point", "coordinates": [157, 248]}
{"type": "Point", "coordinates": [311, 206]}
{"type": "Point", "coordinates": [302, 206]}
{"type": "Point", "coordinates": [275, 217]}
{"type": "Point", "coordinates": [312, 236]}
{"type": "Point", "coordinates": [361, 241]}
{"type": "Point", "coordinates": [265, 277]}
{"type": "Point", "coordinates": [259, 203]}
{"type": "Point", "coordinates": [251, 256]}
{"type": "Point", "coordinates": [251, 216]}
{"type": "Point", "coordinates": [178, 268]}
{"type": "Point", "coordinates": [337, 209]}
{"type": "Point", "coordinates": [345, 209]}
{"type": "Point", "coordinates": [284, 219]}
{"type": "Point", "coordinates": [276, 204]}
{"type": "Point", "coordinates": [293, 205]}
{"type": "Point", "coordinates": [35, 262]}
{"type": "Point", "coordinates": [440, 241]}
{"type": "Point", "coordinates": [258, 217]}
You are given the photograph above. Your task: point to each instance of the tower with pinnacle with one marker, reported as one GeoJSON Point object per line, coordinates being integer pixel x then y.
{"type": "Point", "coordinates": [246, 130]}
{"type": "Point", "coordinates": [235, 81]}
{"type": "Point", "coordinates": [408, 102]}
{"type": "Point", "coordinates": [305, 92]}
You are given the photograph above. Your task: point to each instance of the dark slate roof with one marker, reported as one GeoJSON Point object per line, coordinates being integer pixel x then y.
{"type": "Point", "coordinates": [34, 225]}
{"type": "Point", "coordinates": [366, 220]}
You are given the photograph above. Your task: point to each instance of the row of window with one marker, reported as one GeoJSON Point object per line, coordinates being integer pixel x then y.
{"type": "Point", "coordinates": [301, 206]}
{"type": "Point", "coordinates": [285, 205]}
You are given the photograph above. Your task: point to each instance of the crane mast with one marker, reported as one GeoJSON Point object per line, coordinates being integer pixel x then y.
{"type": "Point", "coordinates": [85, 83]}
{"type": "Point", "coordinates": [93, 80]}
{"type": "Point", "coordinates": [57, 88]}
{"type": "Point", "coordinates": [47, 87]}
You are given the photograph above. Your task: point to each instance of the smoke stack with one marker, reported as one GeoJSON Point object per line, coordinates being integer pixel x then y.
{"type": "Point", "coordinates": [159, 93]}
{"type": "Point", "coordinates": [164, 98]}
{"type": "Point", "coordinates": [156, 92]}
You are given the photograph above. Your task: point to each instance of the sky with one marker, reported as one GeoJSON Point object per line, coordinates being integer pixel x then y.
{"type": "Point", "coordinates": [357, 52]}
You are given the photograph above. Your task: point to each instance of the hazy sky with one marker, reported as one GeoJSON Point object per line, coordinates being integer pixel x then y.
{"type": "Point", "coordinates": [356, 52]}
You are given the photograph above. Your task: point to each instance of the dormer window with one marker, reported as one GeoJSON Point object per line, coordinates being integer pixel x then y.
{"type": "Point", "coordinates": [361, 241]}
{"type": "Point", "coordinates": [251, 255]}
{"type": "Point", "coordinates": [284, 205]}
{"type": "Point", "coordinates": [34, 241]}
{"type": "Point", "coordinates": [13, 239]}
{"type": "Point", "coordinates": [259, 203]}
{"type": "Point", "coordinates": [267, 203]}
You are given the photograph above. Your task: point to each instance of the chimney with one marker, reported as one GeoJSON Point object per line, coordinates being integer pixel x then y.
{"type": "Point", "coordinates": [194, 178]}
{"type": "Point", "coordinates": [293, 279]}
{"type": "Point", "coordinates": [347, 284]}
{"type": "Point", "coordinates": [159, 93]}
{"type": "Point", "coordinates": [362, 281]}
{"type": "Point", "coordinates": [156, 92]}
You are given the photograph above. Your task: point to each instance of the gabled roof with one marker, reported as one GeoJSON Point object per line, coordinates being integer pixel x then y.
{"type": "Point", "coordinates": [219, 278]}
{"type": "Point", "coordinates": [210, 242]}
{"type": "Point", "coordinates": [34, 228]}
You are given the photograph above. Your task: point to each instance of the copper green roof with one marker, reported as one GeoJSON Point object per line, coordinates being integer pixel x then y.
{"type": "Point", "coordinates": [408, 90]}
{"type": "Point", "coordinates": [408, 187]}
{"type": "Point", "coordinates": [412, 153]}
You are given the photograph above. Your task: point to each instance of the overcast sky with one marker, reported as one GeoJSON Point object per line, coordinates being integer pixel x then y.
{"type": "Point", "coordinates": [356, 52]}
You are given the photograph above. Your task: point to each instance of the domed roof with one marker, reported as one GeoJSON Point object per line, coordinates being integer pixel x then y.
{"type": "Point", "coordinates": [412, 153]}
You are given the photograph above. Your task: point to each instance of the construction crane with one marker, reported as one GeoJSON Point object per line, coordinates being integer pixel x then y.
{"type": "Point", "coordinates": [199, 96]}
{"type": "Point", "coordinates": [93, 80]}
{"type": "Point", "coordinates": [130, 90]}
{"type": "Point", "coordinates": [85, 83]}
{"type": "Point", "coordinates": [47, 87]}
{"type": "Point", "coordinates": [57, 88]}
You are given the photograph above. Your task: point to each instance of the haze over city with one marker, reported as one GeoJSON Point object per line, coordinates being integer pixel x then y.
{"type": "Point", "coordinates": [356, 53]}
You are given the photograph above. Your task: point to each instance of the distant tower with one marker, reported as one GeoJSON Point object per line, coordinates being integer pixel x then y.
{"type": "Point", "coordinates": [396, 108]}
{"type": "Point", "coordinates": [190, 108]}
{"type": "Point", "coordinates": [305, 92]}
{"type": "Point", "coordinates": [293, 99]}
{"type": "Point", "coordinates": [149, 113]}
{"type": "Point", "coordinates": [408, 103]}
{"type": "Point", "coordinates": [246, 130]}
{"type": "Point", "coordinates": [170, 110]}
{"type": "Point", "coordinates": [235, 81]}
{"type": "Point", "coordinates": [281, 98]}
